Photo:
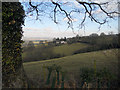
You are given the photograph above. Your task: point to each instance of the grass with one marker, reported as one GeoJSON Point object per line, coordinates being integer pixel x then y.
{"type": "Point", "coordinates": [65, 49]}
{"type": "Point", "coordinates": [69, 49]}
{"type": "Point", "coordinates": [72, 64]}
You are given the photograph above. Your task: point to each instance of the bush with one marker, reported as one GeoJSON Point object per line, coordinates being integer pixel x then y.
{"type": "Point", "coordinates": [87, 74]}
{"type": "Point", "coordinates": [103, 77]}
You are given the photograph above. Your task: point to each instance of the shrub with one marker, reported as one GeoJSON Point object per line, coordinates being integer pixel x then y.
{"type": "Point", "coordinates": [103, 77]}
{"type": "Point", "coordinates": [87, 75]}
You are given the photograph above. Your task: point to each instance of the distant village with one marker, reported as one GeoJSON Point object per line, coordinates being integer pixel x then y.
{"type": "Point", "coordinates": [59, 41]}
{"type": "Point", "coordinates": [55, 41]}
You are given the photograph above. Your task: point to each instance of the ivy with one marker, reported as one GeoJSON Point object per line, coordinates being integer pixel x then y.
{"type": "Point", "coordinates": [12, 21]}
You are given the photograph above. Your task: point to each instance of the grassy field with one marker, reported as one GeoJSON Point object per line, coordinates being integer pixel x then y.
{"type": "Point", "coordinates": [72, 64]}
{"type": "Point", "coordinates": [68, 49]}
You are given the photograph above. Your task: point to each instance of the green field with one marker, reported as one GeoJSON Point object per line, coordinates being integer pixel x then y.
{"type": "Point", "coordinates": [65, 50]}
{"type": "Point", "coordinates": [68, 49]}
{"type": "Point", "coordinates": [72, 64]}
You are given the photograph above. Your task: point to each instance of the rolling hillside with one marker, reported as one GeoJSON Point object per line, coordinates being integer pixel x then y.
{"type": "Point", "coordinates": [62, 50]}
{"type": "Point", "coordinates": [68, 49]}
{"type": "Point", "coordinates": [72, 64]}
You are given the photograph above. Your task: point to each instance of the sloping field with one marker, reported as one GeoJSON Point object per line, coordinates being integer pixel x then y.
{"type": "Point", "coordinates": [72, 64]}
{"type": "Point", "coordinates": [68, 49]}
{"type": "Point", "coordinates": [63, 50]}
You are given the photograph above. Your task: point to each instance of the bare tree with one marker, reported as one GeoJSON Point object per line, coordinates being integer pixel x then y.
{"type": "Point", "coordinates": [97, 11]}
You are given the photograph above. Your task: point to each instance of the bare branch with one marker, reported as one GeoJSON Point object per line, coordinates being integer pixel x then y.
{"type": "Point", "coordinates": [55, 14]}
{"type": "Point", "coordinates": [83, 20]}
{"type": "Point", "coordinates": [35, 8]}
{"type": "Point", "coordinates": [67, 15]}
{"type": "Point", "coordinates": [99, 5]}
{"type": "Point", "coordinates": [88, 8]}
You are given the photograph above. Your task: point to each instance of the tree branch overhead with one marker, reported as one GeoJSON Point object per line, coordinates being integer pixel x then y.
{"type": "Point", "coordinates": [88, 7]}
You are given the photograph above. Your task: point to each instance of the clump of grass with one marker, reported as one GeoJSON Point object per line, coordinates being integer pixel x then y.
{"type": "Point", "coordinates": [63, 78]}
{"type": "Point", "coordinates": [53, 81]}
{"type": "Point", "coordinates": [56, 70]}
{"type": "Point", "coordinates": [50, 69]}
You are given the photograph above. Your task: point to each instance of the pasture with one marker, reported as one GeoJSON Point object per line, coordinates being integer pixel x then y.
{"type": "Point", "coordinates": [56, 51]}
{"type": "Point", "coordinates": [73, 63]}
{"type": "Point", "coordinates": [68, 49]}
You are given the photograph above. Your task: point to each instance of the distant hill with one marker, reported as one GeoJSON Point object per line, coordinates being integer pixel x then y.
{"type": "Point", "coordinates": [36, 38]}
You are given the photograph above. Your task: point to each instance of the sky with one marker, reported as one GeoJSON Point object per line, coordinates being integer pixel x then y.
{"type": "Point", "coordinates": [47, 28]}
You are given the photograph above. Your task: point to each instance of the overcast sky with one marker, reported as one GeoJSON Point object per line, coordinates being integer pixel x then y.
{"type": "Point", "coordinates": [47, 28]}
